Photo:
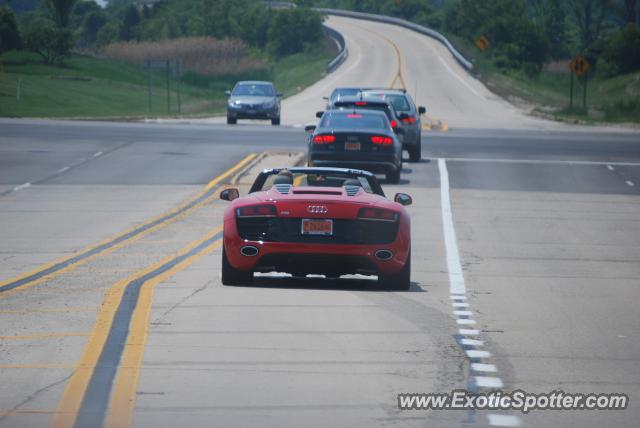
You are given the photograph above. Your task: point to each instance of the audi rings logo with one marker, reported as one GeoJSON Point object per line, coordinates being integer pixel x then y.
{"type": "Point", "coordinates": [317, 209]}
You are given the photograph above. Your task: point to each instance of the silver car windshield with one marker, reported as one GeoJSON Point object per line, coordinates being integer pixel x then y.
{"type": "Point", "coordinates": [254, 89]}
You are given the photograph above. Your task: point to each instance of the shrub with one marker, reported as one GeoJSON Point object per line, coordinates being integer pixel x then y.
{"type": "Point", "coordinates": [621, 52]}
{"type": "Point", "coordinates": [52, 43]}
{"type": "Point", "coordinates": [9, 34]}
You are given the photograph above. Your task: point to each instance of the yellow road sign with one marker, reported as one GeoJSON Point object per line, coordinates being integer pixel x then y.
{"type": "Point", "coordinates": [482, 43]}
{"type": "Point", "coordinates": [579, 65]}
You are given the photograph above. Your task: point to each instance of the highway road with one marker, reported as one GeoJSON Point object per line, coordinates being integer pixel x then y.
{"type": "Point", "coordinates": [526, 259]}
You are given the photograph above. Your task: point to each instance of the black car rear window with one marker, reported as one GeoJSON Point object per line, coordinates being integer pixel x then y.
{"type": "Point", "coordinates": [353, 120]}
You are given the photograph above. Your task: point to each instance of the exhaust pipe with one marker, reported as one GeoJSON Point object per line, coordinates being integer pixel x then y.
{"type": "Point", "coordinates": [383, 255]}
{"type": "Point", "coordinates": [249, 251]}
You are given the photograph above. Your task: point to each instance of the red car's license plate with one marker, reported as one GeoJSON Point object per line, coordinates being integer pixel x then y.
{"type": "Point", "coordinates": [352, 147]}
{"type": "Point", "coordinates": [317, 226]}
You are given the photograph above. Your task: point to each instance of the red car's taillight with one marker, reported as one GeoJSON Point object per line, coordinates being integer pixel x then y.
{"type": "Point", "coordinates": [361, 103]}
{"type": "Point", "coordinates": [324, 139]}
{"type": "Point", "coordinates": [262, 210]}
{"type": "Point", "coordinates": [377, 214]}
{"type": "Point", "coordinates": [410, 120]}
{"type": "Point", "coordinates": [381, 140]}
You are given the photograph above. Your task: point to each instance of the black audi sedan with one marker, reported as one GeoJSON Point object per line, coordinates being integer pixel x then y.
{"type": "Point", "coordinates": [253, 100]}
{"type": "Point", "coordinates": [355, 138]}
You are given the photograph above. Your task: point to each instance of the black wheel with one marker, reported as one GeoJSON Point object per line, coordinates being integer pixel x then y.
{"type": "Point", "coordinates": [275, 121]}
{"type": "Point", "coordinates": [397, 281]}
{"type": "Point", "coordinates": [231, 120]}
{"type": "Point", "coordinates": [415, 152]}
{"type": "Point", "coordinates": [393, 177]}
{"type": "Point", "coordinates": [233, 276]}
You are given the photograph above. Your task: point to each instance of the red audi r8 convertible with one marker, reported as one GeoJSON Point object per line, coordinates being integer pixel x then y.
{"type": "Point", "coordinates": [327, 221]}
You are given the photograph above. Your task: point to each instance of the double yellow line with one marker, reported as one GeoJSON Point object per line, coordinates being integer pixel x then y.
{"type": "Point", "coordinates": [399, 78]}
{"type": "Point", "coordinates": [122, 400]}
{"type": "Point", "coordinates": [56, 268]}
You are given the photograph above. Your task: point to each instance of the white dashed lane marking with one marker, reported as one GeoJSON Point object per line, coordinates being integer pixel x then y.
{"type": "Point", "coordinates": [489, 382]}
{"type": "Point", "coordinates": [503, 420]}
{"type": "Point", "coordinates": [462, 309]}
{"type": "Point", "coordinates": [629, 183]}
{"type": "Point", "coordinates": [486, 368]}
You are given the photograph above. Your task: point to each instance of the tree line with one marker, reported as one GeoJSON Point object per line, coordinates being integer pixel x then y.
{"type": "Point", "coordinates": [525, 34]}
{"type": "Point", "coordinates": [52, 28]}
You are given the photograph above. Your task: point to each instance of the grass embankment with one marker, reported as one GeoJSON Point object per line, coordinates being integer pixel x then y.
{"type": "Point", "coordinates": [612, 100]}
{"type": "Point", "coordinates": [91, 87]}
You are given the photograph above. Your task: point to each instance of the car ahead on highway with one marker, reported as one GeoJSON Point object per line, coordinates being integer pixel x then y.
{"type": "Point", "coordinates": [338, 93]}
{"type": "Point", "coordinates": [253, 100]}
{"type": "Point", "coordinates": [408, 114]}
{"type": "Point", "coordinates": [371, 103]}
{"type": "Point", "coordinates": [326, 221]}
{"type": "Point", "coordinates": [356, 138]}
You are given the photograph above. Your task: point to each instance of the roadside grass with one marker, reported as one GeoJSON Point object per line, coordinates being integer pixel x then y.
{"type": "Point", "coordinates": [92, 87]}
{"type": "Point", "coordinates": [615, 99]}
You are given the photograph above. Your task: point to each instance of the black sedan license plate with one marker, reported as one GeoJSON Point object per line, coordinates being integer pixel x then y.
{"type": "Point", "coordinates": [312, 226]}
{"type": "Point", "coordinates": [352, 147]}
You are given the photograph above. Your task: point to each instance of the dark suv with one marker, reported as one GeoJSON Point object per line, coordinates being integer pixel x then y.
{"type": "Point", "coordinates": [408, 114]}
{"type": "Point", "coordinates": [371, 103]}
{"type": "Point", "coordinates": [253, 100]}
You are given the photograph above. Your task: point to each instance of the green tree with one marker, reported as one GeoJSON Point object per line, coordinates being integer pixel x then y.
{"type": "Point", "coordinates": [589, 15]}
{"type": "Point", "coordinates": [129, 22]}
{"type": "Point", "coordinates": [51, 42]}
{"type": "Point", "coordinates": [60, 11]}
{"type": "Point", "coordinates": [9, 33]}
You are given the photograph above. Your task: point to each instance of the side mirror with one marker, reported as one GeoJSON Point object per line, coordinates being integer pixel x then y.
{"type": "Point", "coordinates": [422, 110]}
{"type": "Point", "coordinates": [403, 199]}
{"type": "Point", "coordinates": [227, 93]}
{"type": "Point", "coordinates": [229, 194]}
{"type": "Point", "coordinates": [319, 114]}
{"type": "Point", "coordinates": [279, 94]}
{"type": "Point", "coordinates": [310, 127]}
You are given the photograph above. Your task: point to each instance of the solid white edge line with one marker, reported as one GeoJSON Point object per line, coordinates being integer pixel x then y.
{"type": "Point", "coordinates": [95, 155]}
{"type": "Point", "coordinates": [503, 420]}
{"type": "Point", "coordinates": [456, 279]}
{"type": "Point", "coordinates": [66, 168]}
{"type": "Point", "coordinates": [461, 79]}
{"type": "Point", "coordinates": [22, 186]}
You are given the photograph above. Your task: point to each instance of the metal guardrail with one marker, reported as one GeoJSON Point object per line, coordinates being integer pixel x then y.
{"type": "Point", "coordinates": [402, 23]}
{"type": "Point", "coordinates": [344, 52]}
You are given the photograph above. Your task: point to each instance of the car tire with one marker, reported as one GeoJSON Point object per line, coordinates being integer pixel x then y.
{"type": "Point", "coordinates": [231, 120]}
{"type": "Point", "coordinates": [233, 276]}
{"type": "Point", "coordinates": [276, 121]}
{"type": "Point", "coordinates": [415, 152]}
{"type": "Point", "coordinates": [397, 281]}
{"type": "Point", "coordinates": [393, 177]}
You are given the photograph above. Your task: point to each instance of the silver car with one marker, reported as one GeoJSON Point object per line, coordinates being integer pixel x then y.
{"type": "Point", "coordinates": [253, 100]}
